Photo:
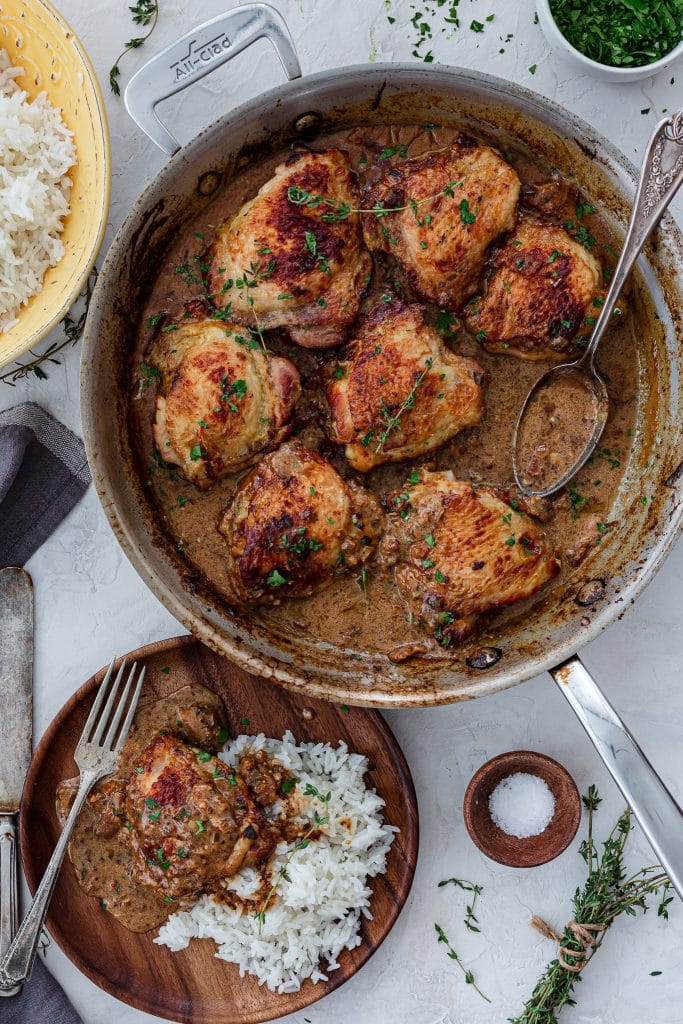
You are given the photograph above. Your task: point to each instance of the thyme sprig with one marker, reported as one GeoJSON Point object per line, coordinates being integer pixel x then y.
{"type": "Point", "coordinates": [73, 326]}
{"type": "Point", "coordinates": [392, 421]}
{"type": "Point", "coordinates": [607, 893]}
{"type": "Point", "coordinates": [342, 211]}
{"type": "Point", "coordinates": [318, 821]}
{"type": "Point", "coordinates": [451, 953]}
{"type": "Point", "coordinates": [145, 13]}
{"type": "Point", "coordinates": [470, 920]}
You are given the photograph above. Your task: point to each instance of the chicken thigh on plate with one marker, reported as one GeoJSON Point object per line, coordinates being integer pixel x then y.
{"type": "Point", "coordinates": [293, 524]}
{"type": "Point", "coordinates": [400, 392]}
{"type": "Point", "coordinates": [293, 256]}
{"type": "Point", "coordinates": [222, 402]}
{"type": "Point", "coordinates": [461, 551]}
{"type": "Point", "coordinates": [452, 204]}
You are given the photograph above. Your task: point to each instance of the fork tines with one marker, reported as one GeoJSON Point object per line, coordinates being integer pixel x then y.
{"type": "Point", "coordinates": [108, 711]}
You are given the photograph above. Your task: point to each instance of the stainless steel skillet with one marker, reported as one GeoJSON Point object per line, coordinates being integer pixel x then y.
{"type": "Point", "coordinates": [586, 601]}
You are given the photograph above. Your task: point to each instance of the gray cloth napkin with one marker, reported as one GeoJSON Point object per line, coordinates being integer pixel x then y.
{"type": "Point", "coordinates": [41, 1001]}
{"type": "Point", "coordinates": [43, 473]}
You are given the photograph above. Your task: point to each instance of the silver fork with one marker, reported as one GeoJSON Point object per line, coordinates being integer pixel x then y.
{"type": "Point", "coordinates": [95, 755]}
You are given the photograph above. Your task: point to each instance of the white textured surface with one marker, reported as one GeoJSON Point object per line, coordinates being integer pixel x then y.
{"type": "Point", "coordinates": [91, 604]}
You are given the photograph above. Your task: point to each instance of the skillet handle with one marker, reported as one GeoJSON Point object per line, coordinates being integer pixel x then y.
{"type": "Point", "coordinates": [198, 53]}
{"type": "Point", "coordinates": [658, 814]}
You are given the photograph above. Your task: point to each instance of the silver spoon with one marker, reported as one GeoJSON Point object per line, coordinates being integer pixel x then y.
{"type": "Point", "coordinates": [660, 178]}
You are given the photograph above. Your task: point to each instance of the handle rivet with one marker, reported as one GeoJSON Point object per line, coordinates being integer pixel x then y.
{"type": "Point", "coordinates": [308, 123]}
{"type": "Point", "coordinates": [485, 657]}
{"type": "Point", "coordinates": [590, 593]}
{"type": "Point", "coordinates": [208, 183]}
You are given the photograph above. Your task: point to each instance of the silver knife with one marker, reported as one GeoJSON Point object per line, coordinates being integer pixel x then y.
{"type": "Point", "coordinates": [16, 733]}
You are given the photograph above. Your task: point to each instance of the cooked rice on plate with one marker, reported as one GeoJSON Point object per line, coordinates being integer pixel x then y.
{"type": "Point", "coordinates": [36, 153]}
{"type": "Point", "coordinates": [321, 888]}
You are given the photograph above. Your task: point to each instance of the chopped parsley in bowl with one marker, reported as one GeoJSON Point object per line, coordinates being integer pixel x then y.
{"type": "Point", "coordinates": [619, 39]}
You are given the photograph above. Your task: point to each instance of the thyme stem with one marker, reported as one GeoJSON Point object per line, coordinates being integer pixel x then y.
{"type": "Point", "coordinates": [146, 14]}
{"type": "Point", "coordinates": [73, 329]}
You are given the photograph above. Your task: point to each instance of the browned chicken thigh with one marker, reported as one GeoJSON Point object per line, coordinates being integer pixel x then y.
{"type": "Point", "coordinates": [222, 400]}
{"type": "Point", "coordinates": [543, 288]}
{"type": "Point", "coordinates": [441, 242]}
{"type": "Point", "coordinates": [287, 260]}
{"type": "Point", "coordinates": [293, 524]}
{"type": "Point", "coordinates": [400, 392]}
{"type": "Point", "coordinates": [462, 551]}
{"type": "Point", "coordinates": [193, 819]}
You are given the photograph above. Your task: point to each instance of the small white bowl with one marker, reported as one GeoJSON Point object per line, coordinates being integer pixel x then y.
{"type": "Point", "coordinates": [583, 63]}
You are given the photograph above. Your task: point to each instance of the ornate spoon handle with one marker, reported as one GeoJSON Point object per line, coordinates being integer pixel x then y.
{"type": "Point", "coordinates": [660, 178]}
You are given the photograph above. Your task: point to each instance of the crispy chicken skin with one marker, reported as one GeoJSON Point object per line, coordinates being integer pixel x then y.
{"type": "Point", "coordinates": [193, 819]}
{"type": "Point", "coordinates": [293, 524]}
{"type": "Point", "coordinates": [222, 401]}
{"type": "Point", "coordinates": [400, 392]}
{"type": "Point", "coordinates": [441, 245]}
{"type": "Point", "coordinates": [461, 551]}
{"type": "Point", "coordinates": [542, 287]}
{"type": "Point", "coordinates": [285, 264]}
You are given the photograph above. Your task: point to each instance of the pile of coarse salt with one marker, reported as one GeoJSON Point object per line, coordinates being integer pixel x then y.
{"type": "Point", "coordinates": [522, 805]}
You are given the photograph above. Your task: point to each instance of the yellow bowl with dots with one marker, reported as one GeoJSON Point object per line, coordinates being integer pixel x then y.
{"type": "Point", "coordinates": [38, 39]}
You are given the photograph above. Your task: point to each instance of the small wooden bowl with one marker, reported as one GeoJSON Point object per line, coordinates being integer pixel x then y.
{"type": "Point", "coordinates": [509, 850]}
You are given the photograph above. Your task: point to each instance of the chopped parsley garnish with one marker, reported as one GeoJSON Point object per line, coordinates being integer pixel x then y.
{"type": "Point", "coordinates": [390, 151]}
{"type": "Point", "coordinates": [466, 215]}
{"type": "Point", "coordinates": [196, 452]}
{"type": "Point", "coordinates": [276, 579]}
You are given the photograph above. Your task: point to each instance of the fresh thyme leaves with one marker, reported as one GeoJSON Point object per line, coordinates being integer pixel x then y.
{"type": "Point", "coordinates": [470, 920]}
{"type": "Point", "coordinates": [450, 952]}
{"type": "Point", "coordinates": [392, 421]}
{"type": "Point", "coordinates": [145, 13]}
{"type": "Point", "coordinates": [318, 821]}
{"type": "Point", "coordinates": [608, 892]}
{"type": "Point", "coordinates": [623, 33]}
{"type": "Point", "coordinates": [342, 211]}
{"type": "Point", "coordinates": [72, 325]}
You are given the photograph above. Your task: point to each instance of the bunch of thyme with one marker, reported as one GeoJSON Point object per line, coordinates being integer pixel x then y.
{"type": "Point", "coordinates": [73, 326]}
{"type": "Point", "coordinates": [607, 893]}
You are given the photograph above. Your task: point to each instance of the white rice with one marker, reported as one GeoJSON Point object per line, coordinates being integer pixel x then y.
{"type": "Point", "coordinates": [317, 911]}
{"type": "Point", "coordinates": [36, 152]}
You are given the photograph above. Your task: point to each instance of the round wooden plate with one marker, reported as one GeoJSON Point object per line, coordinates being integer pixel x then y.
{"type": "Point", "coordinates": [192, 985]}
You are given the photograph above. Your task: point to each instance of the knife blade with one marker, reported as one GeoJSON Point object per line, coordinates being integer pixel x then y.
{"type": "Point", "coordinates": [16, 733]}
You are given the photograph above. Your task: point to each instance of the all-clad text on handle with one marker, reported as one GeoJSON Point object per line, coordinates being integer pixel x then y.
{"type": "Point", "coordinates": [196, 54]}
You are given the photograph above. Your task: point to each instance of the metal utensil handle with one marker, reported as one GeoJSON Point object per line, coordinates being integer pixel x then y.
{"type": "Point", "coordinates": [658, 814]}
{"type": "Point", "coordinates": [9, 895]}
{"type": "Point", "coordinates": [17, 963]}
{"type": "Point", "coordinates": [198, 53]}
{"type": "Point", "coordinates": [660, 178]}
